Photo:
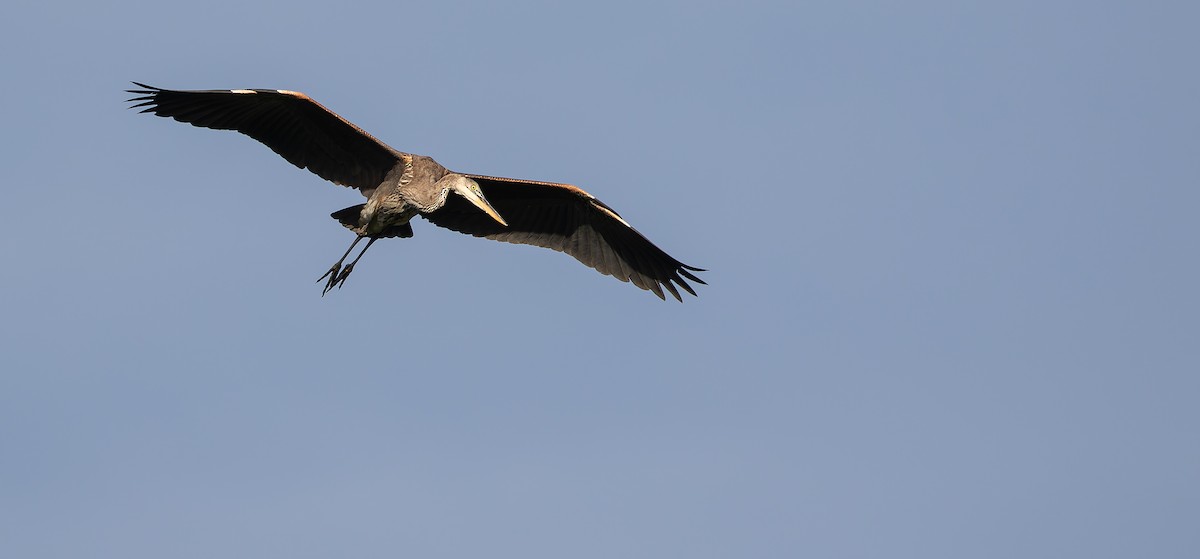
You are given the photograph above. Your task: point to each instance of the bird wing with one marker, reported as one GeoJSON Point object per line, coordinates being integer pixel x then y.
{"type": "Point", "coordinates": [563, 217]}
{"type": "Point", "coordinates": [292, 124]}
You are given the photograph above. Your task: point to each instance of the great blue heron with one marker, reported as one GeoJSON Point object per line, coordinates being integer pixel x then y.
{"type": "Point", "coordinates": [400, 185]}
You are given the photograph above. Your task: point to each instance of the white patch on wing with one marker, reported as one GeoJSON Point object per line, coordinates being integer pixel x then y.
{"type": "Point", "coordinates": [241, 91]}
{"type": "Point", "coordinates": [611, 213]}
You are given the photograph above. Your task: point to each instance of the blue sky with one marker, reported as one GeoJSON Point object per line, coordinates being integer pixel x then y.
{"type": "Point", "coordinates": [951, 308]}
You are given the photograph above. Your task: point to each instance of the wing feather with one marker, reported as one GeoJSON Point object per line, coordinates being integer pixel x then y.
{"type": "Point", "coordinates": [564, 218]}
{"type": "Point", "coordinates": [292, 124]}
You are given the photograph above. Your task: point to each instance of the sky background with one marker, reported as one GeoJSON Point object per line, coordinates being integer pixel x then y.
{"type": "Point", "coordinates": [951, 309]}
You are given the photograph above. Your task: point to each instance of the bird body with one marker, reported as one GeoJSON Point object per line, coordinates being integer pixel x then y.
{"type": "Point", "coordinates": [399, 186]}
{"type": "Point", "coordinates": [416, 183]}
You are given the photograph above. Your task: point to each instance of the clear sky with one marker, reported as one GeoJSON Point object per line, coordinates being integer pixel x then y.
{"type": "Point", "coordinates": [951, 310]}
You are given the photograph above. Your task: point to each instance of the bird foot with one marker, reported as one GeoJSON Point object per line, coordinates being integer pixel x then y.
{"type": "Point", "coordinates": [337, 275]}
{"type": "Point", "coordinates": [331, 274]}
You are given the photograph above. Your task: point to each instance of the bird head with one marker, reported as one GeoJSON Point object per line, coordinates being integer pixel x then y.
{"type": "Point", "coordinates": [470, 190]}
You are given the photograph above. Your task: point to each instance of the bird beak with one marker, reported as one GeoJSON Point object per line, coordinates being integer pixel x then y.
{"type": "Point", "coordinates": [476, 197]}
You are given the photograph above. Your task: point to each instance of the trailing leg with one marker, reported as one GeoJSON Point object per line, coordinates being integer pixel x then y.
{"type": "Point", "coordinates": [341, 278]}
{"type": "Point", "coordinates": [336, 274]}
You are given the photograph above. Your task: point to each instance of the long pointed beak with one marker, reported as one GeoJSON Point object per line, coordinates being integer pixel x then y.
{"type": "Point", "coordinates": [482, 203]}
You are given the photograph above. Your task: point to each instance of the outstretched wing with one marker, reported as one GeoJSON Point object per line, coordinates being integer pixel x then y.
{"type": "Point", "coordinates": [290, 123]}
{"type": "Point", "coordinates": [567, 219]}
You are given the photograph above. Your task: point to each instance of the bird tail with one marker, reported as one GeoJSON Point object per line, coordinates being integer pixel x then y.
{"type": "Point", "coordinates": [349, 218]}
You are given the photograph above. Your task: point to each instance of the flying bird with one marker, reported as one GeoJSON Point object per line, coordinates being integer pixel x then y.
{"type": "Point", "coordinates": [399, 186]}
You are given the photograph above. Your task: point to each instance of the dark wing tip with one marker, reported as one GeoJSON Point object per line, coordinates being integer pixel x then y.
{"type": "Point", "coordinates": [145, 95]}
{"type": "Point", "coordinates": [683, 269]}
{"type": "Point", "coordinates": [146, 90]}
{"type": "Point", "coordinates": [676, 279]}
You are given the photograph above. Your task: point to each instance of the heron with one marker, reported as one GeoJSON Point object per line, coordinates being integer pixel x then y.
{"type": "Point", "coordinates": [399, 186]}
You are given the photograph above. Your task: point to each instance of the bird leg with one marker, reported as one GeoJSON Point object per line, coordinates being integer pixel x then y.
{"type": "Point", "coordinates": [349, 267]}
{"type": "Point", "coordinates": [337, 274]}
{"type": "Point", "coordinates": [332, 274]}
